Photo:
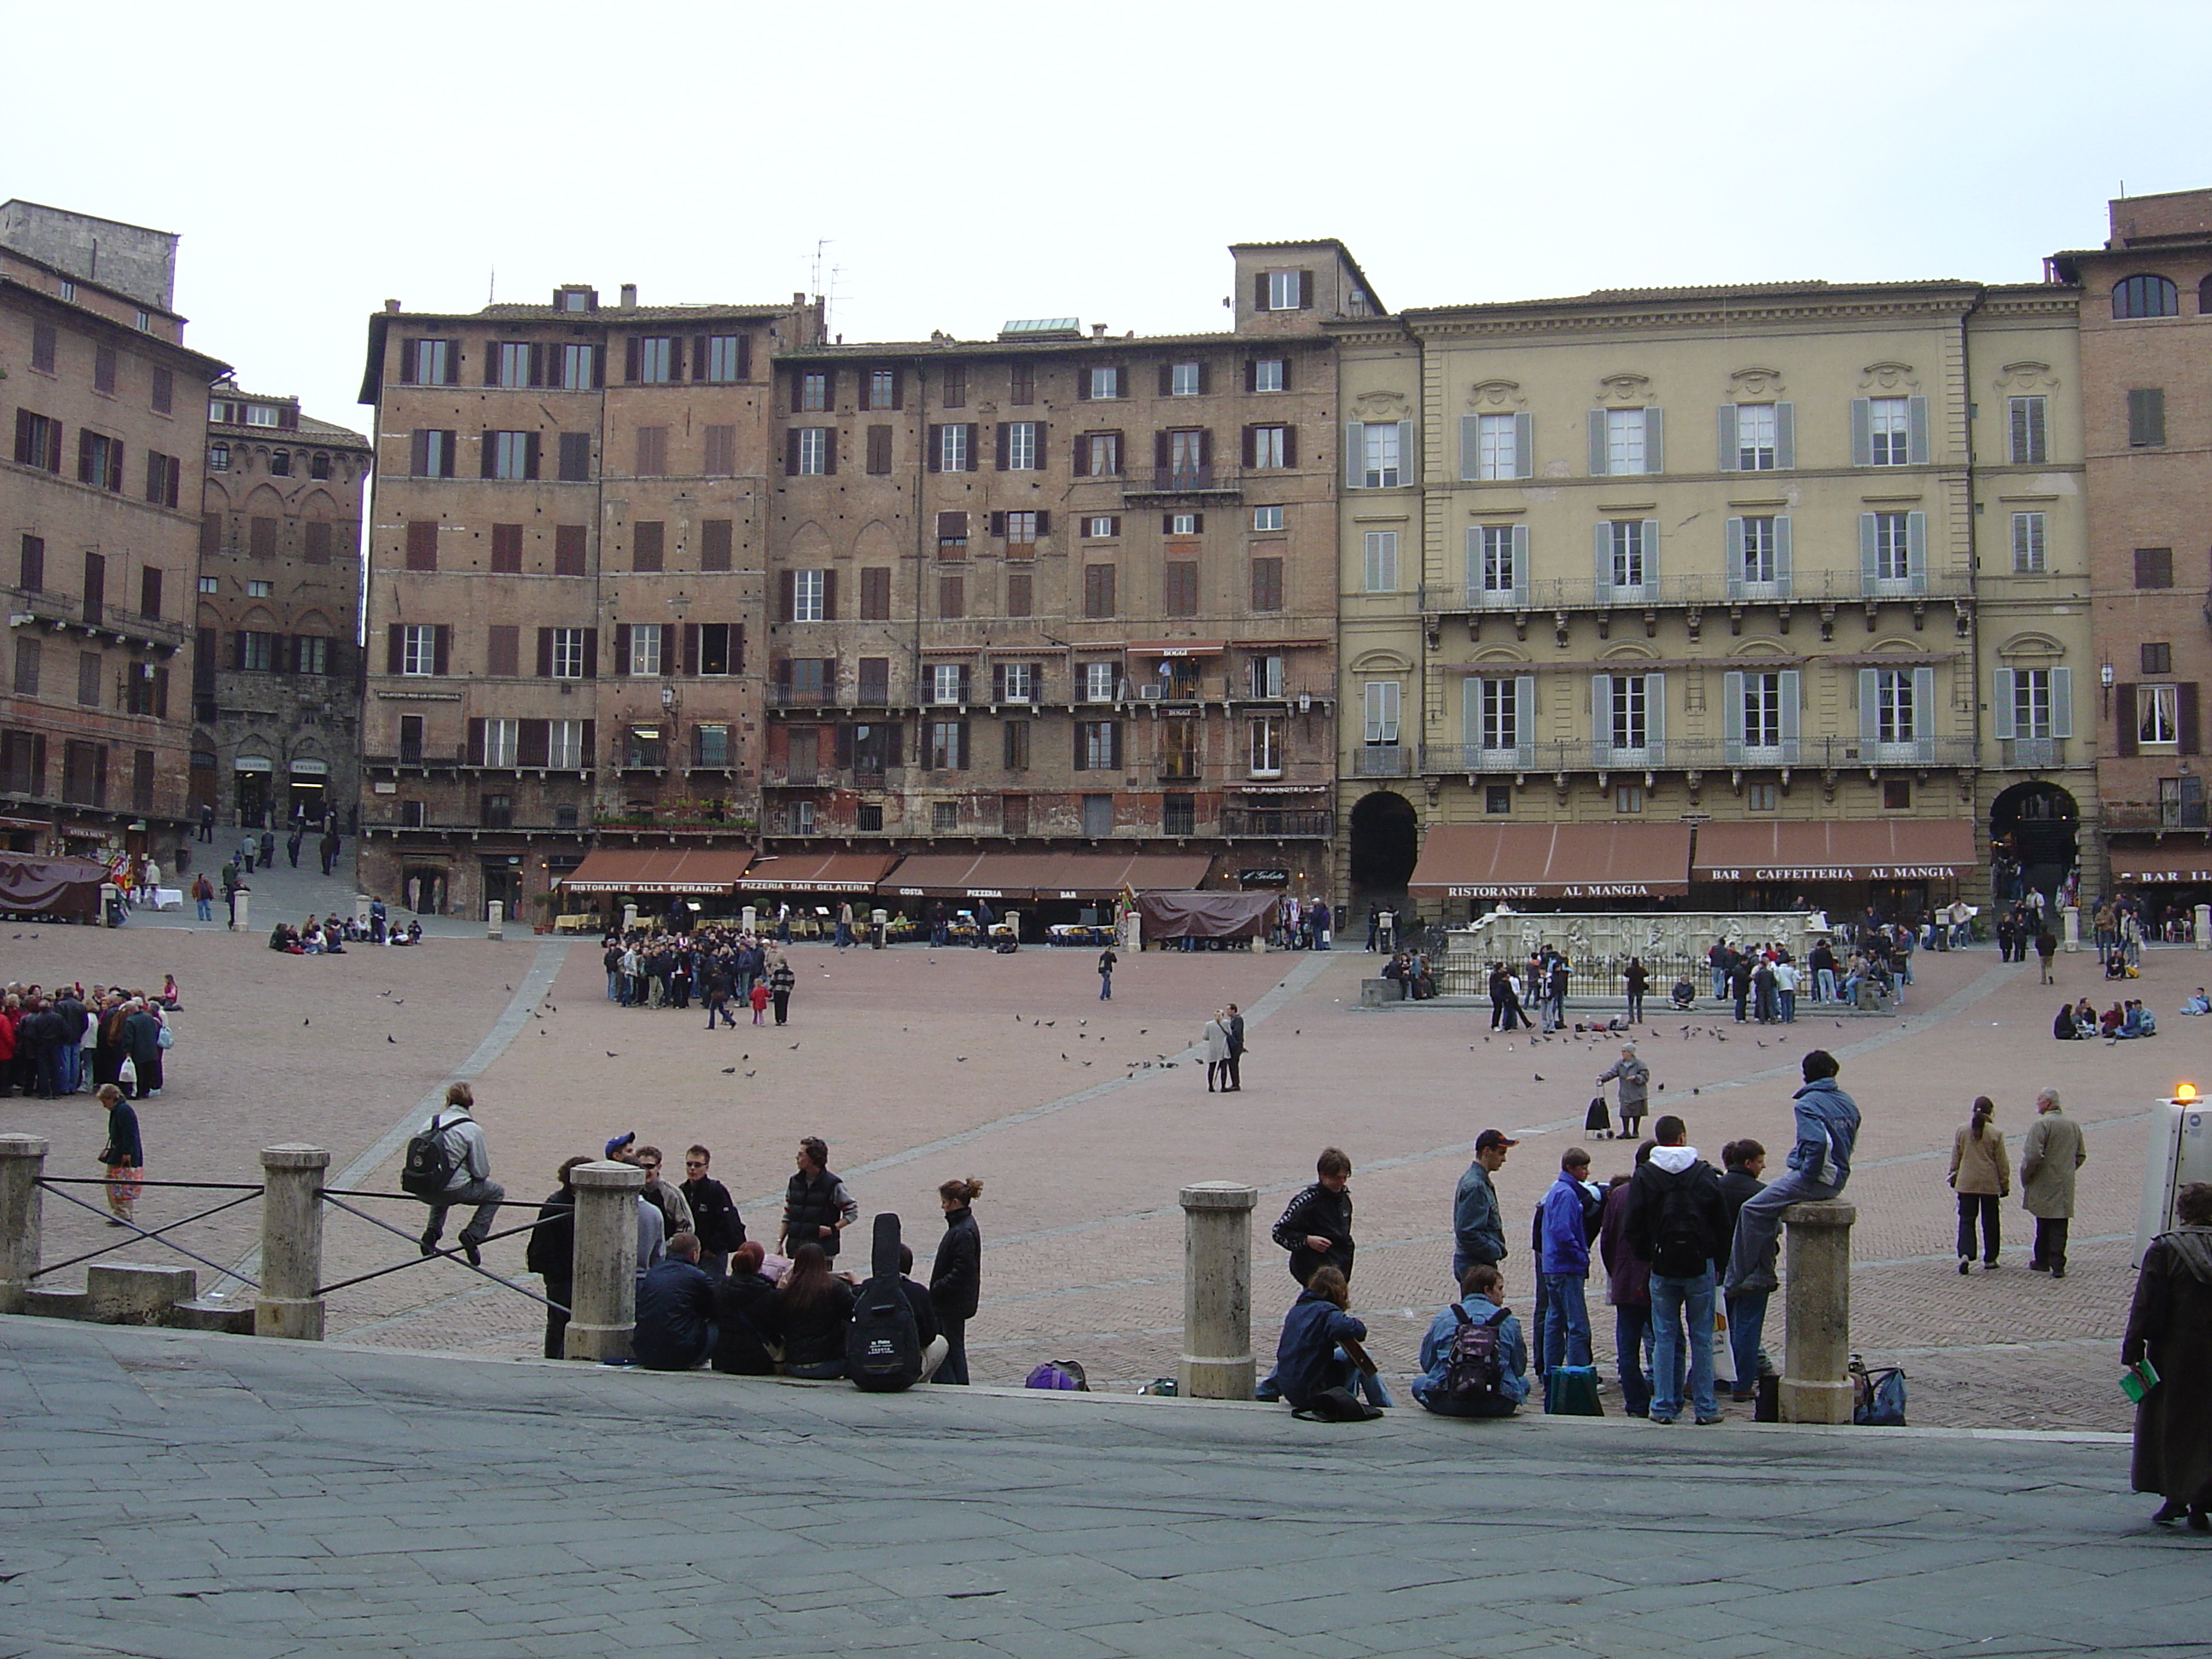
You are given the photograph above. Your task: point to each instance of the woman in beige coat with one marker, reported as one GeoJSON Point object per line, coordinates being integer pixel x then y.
{"type": "Point", "coordinates": [2049, 1154]}
{"type": "Point", "coordinates": [1981, 1174]}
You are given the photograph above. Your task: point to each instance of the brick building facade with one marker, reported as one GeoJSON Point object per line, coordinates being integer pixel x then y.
{"type": "Point", "coordinates": [276, 669]}
{"type": "Point", "coordinates": [106, 413]}
{"type": "Point", "coordinates": [565, 588]}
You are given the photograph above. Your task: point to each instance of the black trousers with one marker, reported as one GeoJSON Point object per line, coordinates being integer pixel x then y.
{"type": "Point", "coordinates": [782, 1001]}
{"type": "Point", "coordinates": [556, 1319]}
{"type": "Point", "coordinates": [1972, 1205]}
{"type": "Point", "coordinates": [2049, 1244]}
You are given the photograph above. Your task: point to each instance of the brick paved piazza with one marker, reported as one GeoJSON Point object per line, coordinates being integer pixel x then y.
{"type": "Point", "coordinates": [917, 1065]}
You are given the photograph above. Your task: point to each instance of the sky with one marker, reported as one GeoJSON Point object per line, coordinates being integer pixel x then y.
{"type": "Point", "coordinates": [953, 167]}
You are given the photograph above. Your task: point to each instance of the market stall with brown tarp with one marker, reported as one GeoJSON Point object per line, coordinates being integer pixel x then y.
{"type": "Point", "coordinates": [1521, 861]}
{"type": "Point", "coordinates": [1837, 849]}
{"type": "Point", "coordinates": [1197, 914]}
{"type": "Point", "coordinates": [57, 887]}
{"type": "Point", "coordinates": [2174, 865]}
{"type": "Point", "coordinates": [829, 871]}
{"type": "Point", "coordinates": [660, 870]}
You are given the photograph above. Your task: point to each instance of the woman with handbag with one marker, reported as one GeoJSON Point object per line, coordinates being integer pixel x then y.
{"type": "Point", "coordinates": [1981, 1174]}
{"type": "Point", "coordinates": [124, 1156]}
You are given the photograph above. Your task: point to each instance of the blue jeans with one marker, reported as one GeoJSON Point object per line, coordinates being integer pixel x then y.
{"type": "Point", "coordinates": [206, 909]}
{"type": "Point", "coordinates": [1105, 988]}
{"type": "Point", "coordinates": [614, 985]}
{"type": "Point", "coordinates": [1567, 1331]}
{"type": "Point", "coordinates": [1747, 1317]}
{"type": "Point", "coordinates": [1673, 1300]}
{"type": "Point", "coordinates": [1788, 1007]}
{"type": "Point", "coordinates": [1720, 982]}
{"type": "Point", "coordinates": [1760, 1219]}
{"type": "Point", "coordinates": [1629, 1327]}
{"type": "Point", "coordinates": [1824, 985]}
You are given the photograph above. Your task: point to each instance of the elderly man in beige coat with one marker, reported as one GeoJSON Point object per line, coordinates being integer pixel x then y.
{"type": "Point", "coordinates": [2052, 1151]}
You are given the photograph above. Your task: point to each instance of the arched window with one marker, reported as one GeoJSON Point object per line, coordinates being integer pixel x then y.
{"type": "Point", "coordinates": [2145, 297]}
{"type": "Point", "coordinates": [2204, 298]}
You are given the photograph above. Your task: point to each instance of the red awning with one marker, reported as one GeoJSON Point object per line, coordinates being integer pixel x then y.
{"type": "Point", "coordinates": [1554, 860]}
{"type": "Point", "coordinates": [1072, 875]}
{"type": "Point", "coordinates": [1842, 849]}
{"type": "Point", "coordinates": [817, 872]}
{"type": "Point", "coordinates": [2169, 866]}
{"type": "Point", "coordinates": [713, 871]}
{"type": "Point", "coordinates": [944, 875]}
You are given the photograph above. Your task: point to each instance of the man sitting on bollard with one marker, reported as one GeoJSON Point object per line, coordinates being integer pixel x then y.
{"type": "Point", "coordinates": [1820, 1167]}
{"type": "Point", "coordinates": [675, 1311]}
{"type": "Point", "coordinates": [471, 1181]}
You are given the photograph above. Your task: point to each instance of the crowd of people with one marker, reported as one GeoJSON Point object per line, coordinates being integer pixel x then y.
{"type": "Point", "coordinates": [716, 964]}
{"type": "Point", "coordinates": [63, 1039]}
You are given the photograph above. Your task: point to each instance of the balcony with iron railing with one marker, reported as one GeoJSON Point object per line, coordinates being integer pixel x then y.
{"type": "Point", "coordinates": [2171, 814]}
{"type": "Point", "coordinates": [2031, 754]}
{"type": "Point", "coordinates": [1688, 588]}
{"type": "Point", "coordinates": [1273, 824]}
{"type": "Point", "coordinates": [66, 611]}
{"type": "Point", "coordinates": [1695, 755]}
{"type": "Point", "coordinates": [1381, 760]}
{"type": "Point", "coordinates": [1191, 481]}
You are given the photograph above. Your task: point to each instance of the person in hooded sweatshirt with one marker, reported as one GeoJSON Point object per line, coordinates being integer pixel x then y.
{"type": "Point", "coordinates": [1678, 1221]}
{"type": "Point", "coordinates": [1820, 1166]}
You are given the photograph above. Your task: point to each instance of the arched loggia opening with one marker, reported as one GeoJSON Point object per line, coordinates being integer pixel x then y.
{"type": "Point", "coordinates": [1386, 841]}
{"type": "Point", "coordinates": [2034, 828]}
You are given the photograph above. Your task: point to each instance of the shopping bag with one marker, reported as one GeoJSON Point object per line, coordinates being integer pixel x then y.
{"type": "Point", "coordinates": [1724, 1350]}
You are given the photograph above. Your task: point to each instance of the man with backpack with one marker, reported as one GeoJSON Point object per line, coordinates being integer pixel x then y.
{"type": "Point", "coordinates": [448, 1164]}
{"type": "Point", "coordinates": [1473, 1360]}
{"type": "Point", "coordinates": [1677, 1221]}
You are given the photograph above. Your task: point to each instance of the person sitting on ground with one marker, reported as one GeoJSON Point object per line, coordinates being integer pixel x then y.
{"type": "Point", "coordinates": [1308, 1360]}
{"type": "Point", "coordinates": [2199, 1004]}
{"type": "Point", "coordinates": [1474, 1390]}
{"type": "Point", "coordinates": [2062, 1024]}
{"type": "Point", "coordinates": [1684, 996]}
{"type": "Point", "coordinates": [2109, 1025]}
{"type": "Point", "coordinates": [675, 1311]}
{"type": "Point", "coordinates": [2137, 1021]}
{"type": "Point", "coordinates": [2085, 1019]}
{"type": "Point", "coordinates": [171, 1000]}
{"type": "Point", "coordinates": [815, 1308]}
{"type": "Point", "coordinates": [748, 1323]}
{"type": "Point", "coordinates": [934, 1347]}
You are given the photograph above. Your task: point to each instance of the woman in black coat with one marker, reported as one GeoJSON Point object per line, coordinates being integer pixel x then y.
{"type": "Point", "coordinates": [551, 1253]}
{"type": "Point", "coordinates": [2063, 1026]}
{"type": "Point", "coordinates": [815, 1308]}
{"type": "Point", "coordinates": [2170, 1325]}
{"type": "Point", "coordinates": [125, 1156]}
{"type": "Point", "coordinates": [956, 1277]}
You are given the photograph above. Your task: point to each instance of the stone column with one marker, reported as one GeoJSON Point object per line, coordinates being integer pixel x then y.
{"type": "Point", "coordinates": [22, 1160]}
{"type": "Point", "coordinates": [603, 1302]}
{"type": "Point", "coordinates": [1815, 1383]}
{"type": "Point", "coordinates": [2073, 939]}
{"type": "Point", "coordinates": [1217, 1291]}
{"type": "Point", "coordinates": [495, 920]}
{"type": "Point", "coordinates": [629, 919]}
{"type": "Point", "coordinates": [291, 1242]}
{"type": "Point", "coordinates": [245, 922]}
{"type": "Point", "coordinates": [2205, 926]}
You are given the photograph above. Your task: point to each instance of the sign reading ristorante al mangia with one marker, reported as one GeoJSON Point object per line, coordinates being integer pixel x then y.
{"type": "Point", "coordinates": [1839, 872]}
{"type": "Point", "coordinates": [1529, 891]}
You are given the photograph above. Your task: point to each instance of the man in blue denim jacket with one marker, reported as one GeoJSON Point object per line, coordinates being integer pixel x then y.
{"type": "Point", "coordinates": [1820, 1167]}
{"type": "Point", "coordinates": [1483, 1299]}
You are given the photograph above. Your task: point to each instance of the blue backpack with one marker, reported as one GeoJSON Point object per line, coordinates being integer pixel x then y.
{"type": "Point", "coordinates": [1878, 1395]}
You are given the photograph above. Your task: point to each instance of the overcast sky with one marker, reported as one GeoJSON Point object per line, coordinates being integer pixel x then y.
{"type": "Point", "coordinates": [969, 163]}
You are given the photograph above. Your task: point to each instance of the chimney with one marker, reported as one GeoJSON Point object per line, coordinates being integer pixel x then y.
{"type": "Point", "coordinates": [629, 296]}
{"type": "Point", "coordinates": [391, 306]}
{"type": "Point", "coordinates": [797, 298]}
{"type": "Point", "coordinates": [1097, 331]}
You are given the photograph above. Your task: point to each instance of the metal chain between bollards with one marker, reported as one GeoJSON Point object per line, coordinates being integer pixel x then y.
{"type": "Point", "coordinates": [450, 1255]}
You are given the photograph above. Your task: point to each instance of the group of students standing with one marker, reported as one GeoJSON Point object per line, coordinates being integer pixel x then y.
{"type": "Point", "coordinates": [716, 964]}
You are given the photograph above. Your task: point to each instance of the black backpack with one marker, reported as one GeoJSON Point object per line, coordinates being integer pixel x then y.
{"type": "Point", "coordinates": [883, 1345]}
{"type": "Point", "coordinates": [430, 1162]}
{"type": "Point", "coordinates": [1474, 1369]}
{"type": "Point", "coordinates": [1681, 1241]}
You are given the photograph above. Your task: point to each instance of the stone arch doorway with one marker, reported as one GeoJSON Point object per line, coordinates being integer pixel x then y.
{"type": "Point", "coordinates": [2036, 827]}
{"type": "Point", "coordinates": [1386, 840]}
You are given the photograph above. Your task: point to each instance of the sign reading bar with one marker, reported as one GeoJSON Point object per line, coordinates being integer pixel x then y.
{"type": "Point", "coordinates": [2161, 877]}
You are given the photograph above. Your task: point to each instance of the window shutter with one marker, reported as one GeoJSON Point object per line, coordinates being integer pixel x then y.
{"type": "Point", "coordinates": [1785, 436]}
{"type": "Point", "coordinates": [1114, 735]}
{"type": "Point", "coordinates": [2062, 703]}
{"type": "Point", "coordinates": [1473, 562]}
{"type": "Point", "coordinates": [1080, 460]}
{"type": "Point", "coordinates": [1732, 719]}
{"type": "Point", "coordinates": [1655, 719]}
{"type": "Point", "coordinates": [545, 653]}
{"type": "Point", "coordinates": [395, 649]}
{"type": "Point", "coordinates": [1083, 382]}
{"type": "Point", "coordinates": [2186, 708]}
{"type": "Point", "coordinates": [542, 360]}
{"type": "Point", "coordinates": [2001, 693]}
{"type": "Point", "coordinates": [1861, 432]}
{"type": "Point", "coordinates": [441, 642]}
{"type": "Point", "coordinates": [936, 444]}
{"type": "Point", "coordinates": [1355, 442]}
{"type": "Point", "coordinates": [1470, 714]}
{"type": "Point", "coordinates": [1792, 694]}
{"type": "Point", "coordinates": [1524, 718]}
{"type": "Point", "coordinates": [1655, 439]}
{"type": "Point", "coordinates": [1915, 423]}
{"type": "Point", "coordinates": [1524, 445]}
{"type": "Point", "coordinates": [630, 359]}
{"type": "Point", "coordinates": [1251, 376]}
{"type": "Point", "coordinates": [1597, 454]}
{"type": "Point", "coordinates": [1470, 446]}
{"type": "Point", "coordinates": [1305, 290]}
{"type": "Point", "coordinates": [828, 596]}
{"type": "Point", "coordinates": [1735, 569]}
{"type": "Point", "coordinates": [1923, 709]}
{"type": "Point", "coordinates": [1651, 557]}
{"type": "Point", "coordinates": [1869, 710]}
{"type": "Point", "coordinates": [1601, 545]}
{"type": "Point", "coordinates": [1915, 551]}
{"type": "Point", "coordinates": [533, 743]}
{"type": "Point", "coordinates": [698, 356]}
{"type": "Point", "coordinates": [475, 743]}
{"type": "Point", "coordinates": [791, 453]}
{"type": "Point", "coordinates": [970, 461]}
{"type": "Point", "coordinates": [591, 653]}
{"type": "Point", "coordinates": [1260, 290]}
{"type": "Point", "coordinates": [963, 688]}
{"type": "Point", "coordinates": [690, 649]}
{"type": "Point", "coordinates": [530, 451]}
{"type": "Point", "coordinates": [1409, 463]}
{"type": "Point", "coordinates": [787, 591]}
{"type": "Point", "coordinates": [1728, 440]}
{"type": "Point", "coordinates": [1076, 760]}
{"type": "Point", "coordinates": [1250, 438]}
{"type": "Point", "coordinates": [2124, 736]}
{"type": "Point", "coordinates": [621, 647]}
{"type": "Point", "coordinates": [1869, 558]}
{"type": "Point", "coordinates": [1782, 575]}
{"type": "Point", "coordinates": [1601, 719]}
{"type": "Point", "coordinates": [1520, 564]}
{"type": "Point", "coordinates": [999, 456]}
{"type": "Point", "coordinates": [1044, 523]}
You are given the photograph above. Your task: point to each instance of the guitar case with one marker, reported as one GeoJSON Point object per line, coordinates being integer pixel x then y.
{"type": "Point", "coordinates": [883, 1345]}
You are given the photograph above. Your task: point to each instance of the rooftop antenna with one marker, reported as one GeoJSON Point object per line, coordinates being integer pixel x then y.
{"type": "Point", "coordinates": [814, 279]}
{"type": "Point", "coordinates": [491, 285]}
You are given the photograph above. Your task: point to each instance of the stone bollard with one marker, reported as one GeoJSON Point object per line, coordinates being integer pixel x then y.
{"type": "Point", "coordinates": [244, 921]}
{"type": "Point", "coordinates": [629, 920]}
{"type": "Point", "coordinates": [1217, 1291]}
{"type": "Point", "coordinates": [2072, 942]}
{"type": "Point", "coordinates": [1816, 1384]}
{"type": "Point", "coordinates": [361, 903]}
{"type": "Point", "coordinates": [602, 1297]}
{"type": "Point", "coordinates": [22, 1160]}
{"type": "Point", "coordinates": [495, 920]}
{"type": "Point", "coordinates": [111, 898]}
{"type": "Point", "coordinates": [291, 1242]}
{"type": "Point", "coordinates": [2203, 916]}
